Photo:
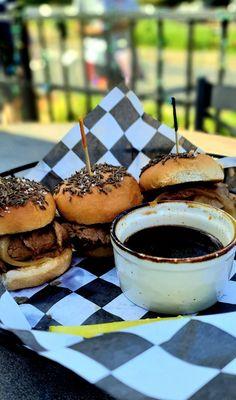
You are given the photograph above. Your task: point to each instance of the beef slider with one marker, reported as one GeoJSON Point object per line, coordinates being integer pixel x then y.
{"type": "Point", "coordinates": [89, 204]}
{"type": "Point", "coordinates": [187, 176]}
{"type": "Point", "coordinates": [34, 248]}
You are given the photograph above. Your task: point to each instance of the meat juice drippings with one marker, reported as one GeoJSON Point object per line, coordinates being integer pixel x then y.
{"type": "Point", "coordinates": [173, 241]}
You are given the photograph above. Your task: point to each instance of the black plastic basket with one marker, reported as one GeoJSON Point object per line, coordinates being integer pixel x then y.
{"type": "Point", "coordinates": [13, 171]}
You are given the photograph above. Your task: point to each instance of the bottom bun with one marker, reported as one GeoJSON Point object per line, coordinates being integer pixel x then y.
{"type": "Point", "coordinates": [37, 275]}
{"type": "Point", "coordinates": [103, 251]}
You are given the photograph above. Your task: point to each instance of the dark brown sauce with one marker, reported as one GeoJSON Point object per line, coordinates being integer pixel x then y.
{"type": "Point", "coordinates": [173, 241]}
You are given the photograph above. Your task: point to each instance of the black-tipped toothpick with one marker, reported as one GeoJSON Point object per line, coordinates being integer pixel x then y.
{"type": "Point", "coordinates": [173, 103]}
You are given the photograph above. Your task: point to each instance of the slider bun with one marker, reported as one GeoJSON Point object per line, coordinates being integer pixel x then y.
{"type": "Point", "coordinates": [98, 207]}
{"type": "Point", "coordinates": [37, 275]}
{"type": "Point", "coordinates": [27, 217]}
{"type": "Point", "coordinates": [174, 171]}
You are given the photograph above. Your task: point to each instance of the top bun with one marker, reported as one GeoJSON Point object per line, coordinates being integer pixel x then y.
{"type": "Point", "coordinates": [176, 169]}
{"type": "Point", "coordinates": [24, 205]}
{"type": "Point", "coordinates": [99, 198]}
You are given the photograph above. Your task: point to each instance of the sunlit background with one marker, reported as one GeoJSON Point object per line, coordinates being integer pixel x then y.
{"type": "Point", "coordinates": [57, 60]}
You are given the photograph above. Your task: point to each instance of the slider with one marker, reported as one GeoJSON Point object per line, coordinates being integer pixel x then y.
{"type": "Point", "coordinates": [34, 248]}
{"type": "Point", "coordinates": [187, 176]}
{"type": "Point", "coordinates": [88, 203]}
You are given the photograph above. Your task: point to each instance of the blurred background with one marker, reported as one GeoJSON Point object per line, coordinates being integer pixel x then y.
{"type": "Point", "coordinates": [57, 60]}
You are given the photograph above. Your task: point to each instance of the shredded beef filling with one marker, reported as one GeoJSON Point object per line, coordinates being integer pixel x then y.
{"type": "Point", "coordinates": [216, 195]}
{"type": "Point", "coordinates": [88, 237]}
{"type": "Point", "coordinates": [38, 243]}
{"type": "Point", "coordinates": [3, 267]}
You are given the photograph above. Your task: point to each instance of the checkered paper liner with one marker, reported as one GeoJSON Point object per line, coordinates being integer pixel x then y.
{"type": "Point", "coordinates": [143, 358]}
{"type": "Point", "coordinates": [185, 359]}
{"type": "Point", "coordinates": [118, 132]}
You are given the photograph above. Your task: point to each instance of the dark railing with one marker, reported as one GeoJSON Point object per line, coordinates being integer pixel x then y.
{"type": "Point", "coordinates": [158, 93]}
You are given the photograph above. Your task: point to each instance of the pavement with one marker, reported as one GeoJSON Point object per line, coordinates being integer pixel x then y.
{"type": "Point", "coordinates": [19, 150]}
{"type": "Point", "coordinates": [24, 143]}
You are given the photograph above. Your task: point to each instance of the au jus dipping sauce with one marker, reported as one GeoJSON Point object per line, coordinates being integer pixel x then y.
{"type": "Point", "coordinates": [173, 241]}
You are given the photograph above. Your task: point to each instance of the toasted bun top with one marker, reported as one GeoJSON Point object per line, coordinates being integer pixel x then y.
{"type": "Point", "coordinates": [24, 205]}
{"type": "Point", "coordinates": [176, 169]}
{"type": "Point", "coordinates": [99, 198]}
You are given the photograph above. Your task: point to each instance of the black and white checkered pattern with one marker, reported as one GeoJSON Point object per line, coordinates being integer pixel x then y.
{"type": "Point", "coordinates": [118, 132]}
{"type": "Point", "coordinates": [188, 358]}
{"type": "Point", "coordinates": [89, 293]}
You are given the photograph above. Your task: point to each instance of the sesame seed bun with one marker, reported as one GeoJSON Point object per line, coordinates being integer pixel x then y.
{"type": "Point", "coordinates": [24, 206]}
{"type": "Point", "coordinates": [96, 206]}
{"type": "Point", "coordinates": [180, 169]}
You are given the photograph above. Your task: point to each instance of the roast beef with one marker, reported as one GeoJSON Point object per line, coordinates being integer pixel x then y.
{"type": "Point", "coordinates": [61, 234]}
{"type": "Point", "coordinates": [216, 195]}
{"type": "Point", "coordinates": [88, 237]}
{"type": "Point", "coordinates": [3, 267]}
{"type": "Point", "coordinates": [40, 241]}
{"type": "Point", "coordinates": [18, 250]}
{"type": "Point", "coordinates": [33, 244]}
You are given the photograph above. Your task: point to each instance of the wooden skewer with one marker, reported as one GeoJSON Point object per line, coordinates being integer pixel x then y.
{"type": "Point", "coordinates": [85, 146]}
{"type": "Point", "coordinates": [175, 124]}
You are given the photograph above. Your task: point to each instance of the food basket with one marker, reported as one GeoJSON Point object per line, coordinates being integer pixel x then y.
{"type": "Point", "coordinates": [175, 359]}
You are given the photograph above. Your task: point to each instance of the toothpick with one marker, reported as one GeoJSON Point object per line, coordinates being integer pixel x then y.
{"type": "Point", "coordinates": [175, 124]}
{"type": "Point", "coordinates": [85, 146]}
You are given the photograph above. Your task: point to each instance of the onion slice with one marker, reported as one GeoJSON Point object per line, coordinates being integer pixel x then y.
{"type": "Point", "coordinates": [4, 256]}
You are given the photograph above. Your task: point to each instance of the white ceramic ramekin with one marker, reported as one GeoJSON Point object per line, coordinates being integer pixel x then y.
{"type": "Point", "coordinates": [174, 286]}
